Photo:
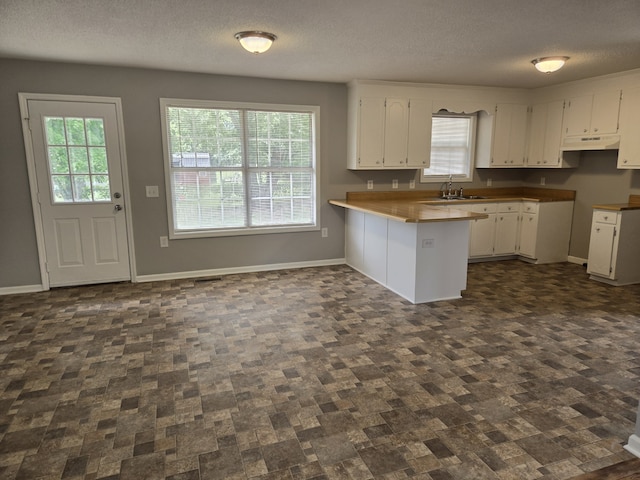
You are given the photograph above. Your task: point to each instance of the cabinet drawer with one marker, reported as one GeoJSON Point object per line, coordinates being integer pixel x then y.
{"type": "Point", "coordinates": [509, 207]}
{"type": "Point", "coordinates": [530, 207]}
{"type": "Point", "coordinates": [484, 208]}
{"type": "Point", "coordinates": [605, 217]}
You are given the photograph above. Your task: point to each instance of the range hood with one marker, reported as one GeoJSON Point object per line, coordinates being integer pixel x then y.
{"type": "Point", "coordinates": [593, 142]}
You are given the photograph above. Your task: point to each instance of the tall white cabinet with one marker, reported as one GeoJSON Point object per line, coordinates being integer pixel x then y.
{"type": "Point", "coordinates": [614, 246]}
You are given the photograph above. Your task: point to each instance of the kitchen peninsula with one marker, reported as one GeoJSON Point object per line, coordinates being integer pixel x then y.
{"type": "Point", "coordinates": [418, 251]}
{"type": "Point", "coordinates": [416, 244]}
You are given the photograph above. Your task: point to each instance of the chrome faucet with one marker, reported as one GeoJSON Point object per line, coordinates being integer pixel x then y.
{"type": "Point", "coordinates": [450, 185]}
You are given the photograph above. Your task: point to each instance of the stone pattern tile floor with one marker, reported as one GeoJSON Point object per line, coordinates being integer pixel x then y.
{"type": "Point", "coordinates": [320, 373]}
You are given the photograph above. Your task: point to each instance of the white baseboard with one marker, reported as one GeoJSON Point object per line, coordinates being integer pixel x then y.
{"type": "Point", "coordinates": [577, 260]}
{"type": "Point", "coordinates": [214, 272]}
{"type": "Point", "coordinates": [633, 445]}
{"type": "Point", "coordinates": [21, 289]}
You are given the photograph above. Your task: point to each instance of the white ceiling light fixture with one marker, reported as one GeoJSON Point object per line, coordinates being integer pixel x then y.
{"type": "Point", "coordinates": [549, 64]}
{"type": "Point", "coordinates": [255, 41]}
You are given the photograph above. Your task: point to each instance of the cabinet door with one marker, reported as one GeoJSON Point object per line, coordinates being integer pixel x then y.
{"type": "Point", "coordinates": [396, 132]}
{"type": "Point", "coordinates": [553, 134]}
{"type": "Point", "coordinates": [604, 113]}
{"type": "Point", "coordinates": [518, 134]}
{"type": "Point", "coordinates": [601, 246]}
{"type": "Point", "coordinates": [510, 135]}
{"type": "Point", "coordinates": [482, 236]}
{"type": "Point", "coordinates": [629, 153]}
{"type": "Point", "coordinates": [578, 115]}
{"type": "Point", "coordinates": [528, 235]}
{"type": "Point", "coordinates": [371, 132]}
{"type": "Point", "coordinates": [537, 132]}
{"type": "Point", "coordinates": [419, 144]}
{"type": "Point", "coordinates": [501, 130]}
{"type": "Point", "coordinates": [506, 233]}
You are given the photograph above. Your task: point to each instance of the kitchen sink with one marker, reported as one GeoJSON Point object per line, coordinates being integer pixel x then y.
{"type": "Point", "coordinates": [462, 197]}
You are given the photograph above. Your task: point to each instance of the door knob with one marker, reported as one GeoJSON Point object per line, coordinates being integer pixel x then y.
{"type": "Point", "coordinates": [118, 208]}
{"type": "Point", "coordinates": [117, 195]}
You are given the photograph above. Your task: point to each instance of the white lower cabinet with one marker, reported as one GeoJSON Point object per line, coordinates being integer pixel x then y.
{"type": "Point", "coordinates": [507, 228]}
{"type": "Point", "coordinates": [545, 231]}
{"type": "Point", "coordinates": [537, 232]}
{"type": "Point", "coordinates": [614, 249]}
{"type": "Point", "coordinates": [483, 231]}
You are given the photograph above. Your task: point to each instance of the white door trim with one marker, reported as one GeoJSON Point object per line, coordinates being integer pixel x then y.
{"type": "Point", "coordinates": [23, 99]}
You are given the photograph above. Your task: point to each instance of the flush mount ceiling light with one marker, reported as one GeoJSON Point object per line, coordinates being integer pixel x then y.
{"type": "Point", "coordinates": [255, 41]}
{"type": "Point", "coordinates": [549, 64]}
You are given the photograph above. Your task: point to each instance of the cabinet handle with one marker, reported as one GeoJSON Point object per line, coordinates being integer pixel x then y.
{"type": "Point", "coordinates": [597, 229]}
{"type": "Point", "coordinates": [606, 217]}
{"type": "Point", "coordinates": [595, 129]}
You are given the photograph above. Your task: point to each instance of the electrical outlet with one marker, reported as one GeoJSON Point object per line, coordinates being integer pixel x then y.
{"type": "Point", "coordinates": [394, 183]}
{"type": "Point", "coordinates": [324, 232]}
{"type": "Point", "coordinates": [428, 242]}
{"type": "Point", "coordinates": [152, 191]}
{"type": "Point", "coordinates": [412, 184]}
{"type": "Point", "coordinates": [543, 181]}
{"type": "Point", "coordinates": [164, 242]}
{"type": "Point", "coordinates": [489, 182]}
{"type": "Point", "coordinates": [369, 184]}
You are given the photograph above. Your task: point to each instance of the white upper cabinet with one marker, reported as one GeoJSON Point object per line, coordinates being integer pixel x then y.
{"type": "Point", "coordinates": [419, 141]}
{"type": "Point", "coordinates": [629, 152]}
{"type": "Point", "coordinates": [509, 136]}
{"type": "Point", "coordinates": [595, 114]}
{"type": "Point", "coordinates": [396, 132]}
{"type": "Point", "coordinates": [545, 137]}
{"type": "Point", "coordinates": [388, 132]}
{"type": "Point", "coordinates": [370, 133]}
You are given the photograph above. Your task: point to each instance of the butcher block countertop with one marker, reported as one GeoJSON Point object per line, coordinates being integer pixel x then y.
{"type": "Point", "coordinates": [425, 206]}
{"type": "Point", "coordinates": [633, 204]}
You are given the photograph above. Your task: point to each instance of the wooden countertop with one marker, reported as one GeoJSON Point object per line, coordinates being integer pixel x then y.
{"type": "Point", "coordinates": [408, 211]}
{"type": "Point", "coordinates": [633, 204]}
{"type": "Point", "coordinates": [425, 206]}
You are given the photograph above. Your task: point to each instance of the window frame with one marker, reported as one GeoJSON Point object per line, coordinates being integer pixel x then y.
{"type": "Point", "coordinates": [175, 234]}
{"type": "Point", "coordinates": [462, 178]}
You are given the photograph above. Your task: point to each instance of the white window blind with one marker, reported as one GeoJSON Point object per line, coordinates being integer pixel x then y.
{"type": "Point", "coordinates": [451, 146]}
{"type": "Point", "coordinates": [240, 170]}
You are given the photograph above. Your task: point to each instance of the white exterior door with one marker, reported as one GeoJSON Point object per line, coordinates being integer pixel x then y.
{"type": "Point", "coordinates": [77, 161]}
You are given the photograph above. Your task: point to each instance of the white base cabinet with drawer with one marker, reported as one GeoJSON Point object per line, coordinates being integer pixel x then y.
{"type": "Point", "coordinates": [507, 229]}
{"type": "Point", "coordinates": [614, 247]}
{"type": "Point", "coordinates": [545, 231]}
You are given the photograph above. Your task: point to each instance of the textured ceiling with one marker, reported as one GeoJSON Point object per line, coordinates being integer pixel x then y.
{"type": "Point", "coordinates": [471, 42]}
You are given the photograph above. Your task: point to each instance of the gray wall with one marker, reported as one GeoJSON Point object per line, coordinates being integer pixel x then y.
{"type": "Point", "coordinates": [140, 91]}
{"type": "Point", "coordinates": [596, 180]}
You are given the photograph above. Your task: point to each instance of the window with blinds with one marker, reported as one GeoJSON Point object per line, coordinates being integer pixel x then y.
{"type": "Point", "coordinates": [452, 147]}
{"type": "Point", "coordinates": [240, 168]}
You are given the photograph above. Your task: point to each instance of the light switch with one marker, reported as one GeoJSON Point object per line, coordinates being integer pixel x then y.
{"type": "Point", "coordinates": [152, 191]}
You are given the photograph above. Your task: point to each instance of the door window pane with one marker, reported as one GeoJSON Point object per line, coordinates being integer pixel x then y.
{"type": "Point", "coordinates": [58, 160]}
{"type": "Point", "coordinates": [95, 131]}
{"type": "Point", "coordinates": [62, 189]}
{"type": "Point", "coordinates": [55, 131]}
{"type": "Point", "coordinates": [79, 160]}
{"type": "Point", "coordinates": [98, 158]}
{"type": "Point", "coordinates": [81, 188]}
